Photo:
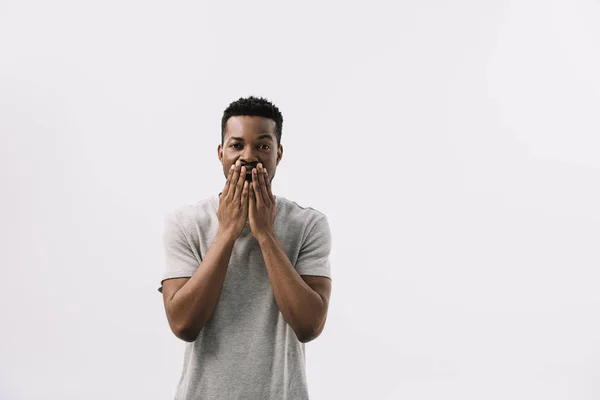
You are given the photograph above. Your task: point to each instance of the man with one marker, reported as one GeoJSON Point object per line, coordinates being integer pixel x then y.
{"type": "Point", "coordinates": [247, 279]}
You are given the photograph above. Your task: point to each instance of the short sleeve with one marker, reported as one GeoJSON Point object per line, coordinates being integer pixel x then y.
{"type": "Point", "coordinates": [313, 258]}
{"type": "Point", "coordinates": [180, 261]}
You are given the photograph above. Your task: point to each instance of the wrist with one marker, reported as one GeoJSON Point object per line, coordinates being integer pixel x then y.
{"type": "Point", "coordinates": [265, 237]}
{"type": "Point", "coordinates": [226, 236]}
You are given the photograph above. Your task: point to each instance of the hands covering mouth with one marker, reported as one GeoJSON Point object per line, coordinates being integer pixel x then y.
{"type": "Point", "coordinates": [249, 169]}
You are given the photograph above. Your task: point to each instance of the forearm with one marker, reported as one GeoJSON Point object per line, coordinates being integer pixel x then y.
{"type": "Point", "coordinates": [301, 307]}
{"type": "Point", "coordinates": [194, 303]}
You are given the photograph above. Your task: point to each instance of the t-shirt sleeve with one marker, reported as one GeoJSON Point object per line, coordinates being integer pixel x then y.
{"type": "Point", "coordinates": [313, 258]}
{"type": "Point", "coordinates": [180, 261]}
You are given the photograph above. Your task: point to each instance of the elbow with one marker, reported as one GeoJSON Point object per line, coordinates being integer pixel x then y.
{"type": "Point", "coordinates": [308, 334]}
{"type": "Point", "coordinates": [185, 332]}
{"type": "Point", "coordinates": [182, 328]}
{"type": "Point", "coordinates": [306, 338]}
{"type": "Point", "coordinates": [187, 336]}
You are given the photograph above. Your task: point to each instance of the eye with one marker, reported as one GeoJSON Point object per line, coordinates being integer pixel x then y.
{"type": "Point", "coordinates": [268, 147]}
{"type": "Point", "coordinates": [234, 144]}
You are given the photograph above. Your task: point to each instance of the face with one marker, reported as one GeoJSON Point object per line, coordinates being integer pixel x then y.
{"type": "Point", "coordinates": [251, 140]}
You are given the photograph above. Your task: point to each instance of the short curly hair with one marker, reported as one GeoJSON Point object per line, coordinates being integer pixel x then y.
{"type": "Point", "coordinates": [255, 107]}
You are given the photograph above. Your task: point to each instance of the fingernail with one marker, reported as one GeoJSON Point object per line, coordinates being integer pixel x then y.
{"type": "Point", "coordinates": [232, 166]}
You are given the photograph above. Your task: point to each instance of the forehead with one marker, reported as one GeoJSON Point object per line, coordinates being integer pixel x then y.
{"type": "Point", "coordinates": [249, 127]}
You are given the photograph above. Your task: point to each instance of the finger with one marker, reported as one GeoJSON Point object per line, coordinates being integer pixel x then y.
{"type": "Point", "coordinates": [228, 181]}
{"type": "Point", "coordinates": [257, 187]}
{"type": "Point", "coordinates": [240, 184]}
{"type": "Point", "coordinates": [268, 185]}
{"type": "Point", "coordinates": [251, 201]}
{"type": "Point", "coordinates": [245, 197]}
{"type": "Point", "coordinates": [252, 195]}
{"type": "Point", "coordinates": [234, 179]}
{"type": "Point", "coordinates": [263, 185]}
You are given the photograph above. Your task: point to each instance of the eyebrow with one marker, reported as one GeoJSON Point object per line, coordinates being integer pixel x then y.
{"type": "Point", "coordinates": [263, 136]}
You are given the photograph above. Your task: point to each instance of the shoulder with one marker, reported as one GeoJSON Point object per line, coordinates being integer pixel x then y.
{"type": "Point", "coordinates": [293, 213]}
{"type": "Point", "coordinates": [293, 208]}
{"type": "Point", "coordinates": [188, 216]}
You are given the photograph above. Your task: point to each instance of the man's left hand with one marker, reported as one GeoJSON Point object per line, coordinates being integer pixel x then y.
{"type": "Point", "coordinates": [262, 207]}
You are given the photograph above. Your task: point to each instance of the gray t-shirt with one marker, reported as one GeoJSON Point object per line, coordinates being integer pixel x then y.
{"type": "Point", "coordinates": [246, 350]}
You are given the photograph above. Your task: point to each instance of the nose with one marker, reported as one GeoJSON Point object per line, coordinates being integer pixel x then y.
{"type": "Point", "coordinates": [248, 158]}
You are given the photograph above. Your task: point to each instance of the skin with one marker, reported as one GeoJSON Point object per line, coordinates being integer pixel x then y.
{"type": "Point", "coordinates": [244, 141]}
{"type": "Point", "coordinates": [302, 299]}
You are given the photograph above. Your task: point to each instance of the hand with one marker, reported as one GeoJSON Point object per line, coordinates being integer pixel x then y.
{"type": "Point", "coordinates": [262, 207]}
{"type": "Point", "coordinates": [233, 203]}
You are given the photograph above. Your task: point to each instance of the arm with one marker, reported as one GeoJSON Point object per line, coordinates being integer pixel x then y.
{"type": "Point", "coordinates": [190, 302]}
{"type": "Point", "coordinates": [302, 300]}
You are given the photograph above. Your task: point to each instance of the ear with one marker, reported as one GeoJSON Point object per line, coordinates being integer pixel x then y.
{"type": "Point", "coordinates": [220, 153]}
{"type": "Point", "coordinates": [279, 154]}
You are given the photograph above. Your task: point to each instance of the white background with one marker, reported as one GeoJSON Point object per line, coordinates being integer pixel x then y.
{"type": "Point", "coordinates": [454, 147]}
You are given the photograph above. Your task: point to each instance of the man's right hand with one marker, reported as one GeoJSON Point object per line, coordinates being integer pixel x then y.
{"type": "Point", "coordinates": [233, 202]}
{"type": "Point", "coordinates": [190, 302]}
